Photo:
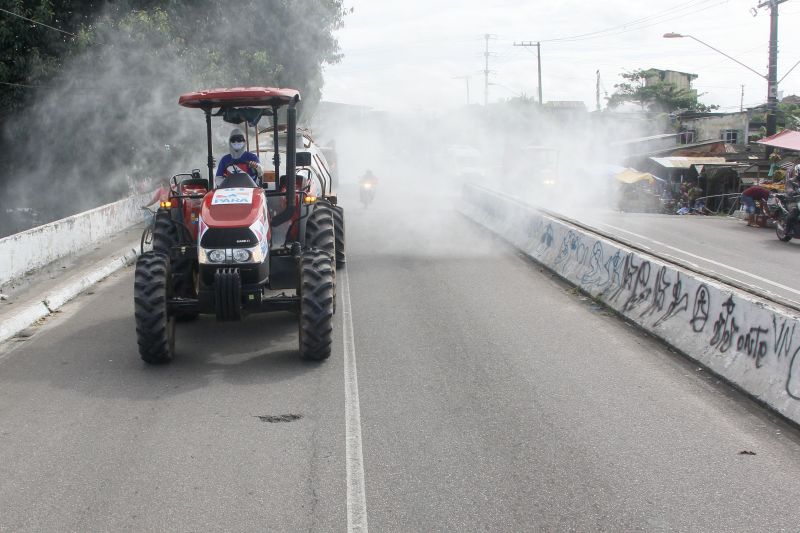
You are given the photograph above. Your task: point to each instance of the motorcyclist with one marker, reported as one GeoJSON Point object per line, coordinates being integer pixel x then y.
{"type": "Point", "coordinates": [366, 187]}
{"type": "Point", "coordinates": [239, 160]}
{"type": "Point", "coordinates": [792, 188]}
{"type": "Point", "coordinates": [368, 180]}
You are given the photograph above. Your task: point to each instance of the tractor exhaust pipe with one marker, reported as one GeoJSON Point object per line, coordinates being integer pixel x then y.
{"type": "Point", "coordinates": [291, 154]}
{"type": "Point", "coordinates": [210, 155]}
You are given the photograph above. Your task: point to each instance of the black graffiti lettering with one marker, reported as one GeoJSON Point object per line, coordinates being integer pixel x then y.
{"type": "Point", "coordinates": [592, 278]}
{"type": "Point", "coordinates": [640, 291]}
{"type": "Point", "coordinates": [547, 236]}
{"type": "Point", "coordinates": [702, 301]}
{"type": "Point", "coordinates": [783, 337]}
{"type": "Point", "coordinates": [725, 327]}
{"type": "Point", "coordinates": [629, 271]}
{"type": "Point", "coordinates": [680, 301]}
{"type": "Point", "coordinates": [611, 268]}
{"type": "Point", "coordinates": [659, 293]}
{"type": "Point", "coordinates": [566, 245]}
{"type": "Point", "coordinates": [792, 389]}
{"type": "Point", "coordinates": [753, 345]}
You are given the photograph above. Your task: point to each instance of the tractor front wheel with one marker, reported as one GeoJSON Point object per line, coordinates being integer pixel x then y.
{"type": "Point", "coordinates": [320, 229]}
{"type": "Point", "coordinates": [316, 305]}
{"type": "Point", "coordinates": [155, 328]}
{"type": "Point", "coordinates": [166, 236]}
{"type": "Point", "coordinates": [338, 221]}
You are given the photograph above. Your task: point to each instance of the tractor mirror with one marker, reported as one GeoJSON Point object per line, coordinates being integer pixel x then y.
{"type": "Point", "coordinates": [303, 159]}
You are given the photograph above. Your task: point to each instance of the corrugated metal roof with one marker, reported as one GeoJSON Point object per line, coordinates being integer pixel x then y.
{"type": "Point", "coordinates": [687, 162]}
{"type": "Point", "coordinates": [787, 139]}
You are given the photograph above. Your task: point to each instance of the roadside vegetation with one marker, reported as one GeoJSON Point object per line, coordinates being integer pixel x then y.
{"type": "Point", "coordinates": [88, 90]}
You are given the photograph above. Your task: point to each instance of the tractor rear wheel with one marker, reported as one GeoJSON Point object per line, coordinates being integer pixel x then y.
{"type": "Point", "coordinates": [316, 305]}
{"type": "Point", "coordinates": [338, 221]}
{"type": "Point", "coordinates": [155, 328]}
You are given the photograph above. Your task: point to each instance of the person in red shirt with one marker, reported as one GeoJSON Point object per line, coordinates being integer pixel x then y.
{"type": "Point", "coordinates": [161, 193]}
{"type": "Point", "coordinates": [749, 197]}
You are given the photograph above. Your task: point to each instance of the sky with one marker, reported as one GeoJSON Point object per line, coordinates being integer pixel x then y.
{"type": "Point", "coordinates": [413, 54]}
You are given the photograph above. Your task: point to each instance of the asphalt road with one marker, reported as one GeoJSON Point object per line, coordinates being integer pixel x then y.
{"type": "Point", "coordinates": [491, 398]}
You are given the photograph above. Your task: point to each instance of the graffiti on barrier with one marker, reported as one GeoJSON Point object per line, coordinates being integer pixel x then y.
{"type": "Point", "coordinates": [659, 296]}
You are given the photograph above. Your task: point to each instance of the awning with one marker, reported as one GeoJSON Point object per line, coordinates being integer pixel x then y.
{"type": "Point", "coordinates": [630, 175]}
{"type": "Point", "coordinates": [687, 162]}
{"type": "Point", "coordinates": [787, 139]}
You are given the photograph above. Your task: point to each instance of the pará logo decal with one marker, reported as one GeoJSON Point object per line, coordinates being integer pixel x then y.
{"type": "Point", "coordinates": [239, 195]}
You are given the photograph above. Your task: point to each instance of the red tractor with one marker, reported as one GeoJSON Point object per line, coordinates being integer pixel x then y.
{"type": "Point", "coordinates": [238, 247]}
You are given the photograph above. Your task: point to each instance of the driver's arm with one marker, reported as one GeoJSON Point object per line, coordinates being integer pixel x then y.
{"type": "Point", "coordinates": [255, 164]}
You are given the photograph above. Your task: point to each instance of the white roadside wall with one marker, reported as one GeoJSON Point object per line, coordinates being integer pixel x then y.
{"type": "Point", "coordinates": [748, 341]}
{"type": "Point", "coordinates": [29, 250]}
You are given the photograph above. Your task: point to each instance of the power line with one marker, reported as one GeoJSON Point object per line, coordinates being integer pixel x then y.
{"type": "Point", "coordinates": [36, 22]}
{"type": "Point", "coordinates": [624, 28]}
{"type": "Point", "coordinates": [626, 24]}
{"type": "Point", "coordinates": [22, 85]}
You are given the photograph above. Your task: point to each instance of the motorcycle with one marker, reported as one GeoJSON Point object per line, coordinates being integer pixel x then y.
{"type": "Point", "coordinates": [367, 193]}
{"type": "Point", "coordinates": [784, 211]}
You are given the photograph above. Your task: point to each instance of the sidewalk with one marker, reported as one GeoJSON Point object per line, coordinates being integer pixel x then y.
{"type": "Point", "coordinates": [29, 299]}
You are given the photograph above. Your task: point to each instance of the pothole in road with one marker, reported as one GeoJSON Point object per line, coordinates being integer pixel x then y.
{"type": "Point", "coordinates": [272, 419]}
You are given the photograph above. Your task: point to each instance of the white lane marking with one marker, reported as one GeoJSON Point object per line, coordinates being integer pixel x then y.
{"type": "Point", "coordinates": [734, 269]}
{"type": "Point", "coordinates": [356, 495]}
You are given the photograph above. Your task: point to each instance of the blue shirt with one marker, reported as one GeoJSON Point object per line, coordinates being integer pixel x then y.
{"type": "Point", "coordinates": [228, 165]}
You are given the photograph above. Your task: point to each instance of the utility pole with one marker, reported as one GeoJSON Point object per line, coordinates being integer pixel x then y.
{"type": "Point", "coordinates": [597, 91]}
{"type": "Point", "coordinates": [466, 79]}
{"type": "Point", "coordinates": [741, 101]}
{"type": "Point", "coordinates": [538, 46]}
{"type": "Point", "coordinates": [486, 71]}
{"type": "Point", "coordinates": [772, 74]}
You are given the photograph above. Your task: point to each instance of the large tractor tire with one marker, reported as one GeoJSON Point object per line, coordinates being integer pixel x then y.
{"type": "Point", "coordinates": [165, 233]}
{"type": "Point", "coordinates": [316, 304]}
{"type": "Point", "coordinates": [338, 221]}
{"type": "Point", "coordinates": [155, 329]}
{"type": "Point", "coordinates": [165, 236]}
{"type": "Point", "coordinates": [320, 229]}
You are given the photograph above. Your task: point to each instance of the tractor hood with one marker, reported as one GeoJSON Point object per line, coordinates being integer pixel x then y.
{"type": "Point", "coordinates": [233, 218]}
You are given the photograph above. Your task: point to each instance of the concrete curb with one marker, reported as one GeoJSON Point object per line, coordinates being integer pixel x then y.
{"type": "Point", "coordinates": [62, 294]}
{"type": "Point", "coordinates": [748, 341]}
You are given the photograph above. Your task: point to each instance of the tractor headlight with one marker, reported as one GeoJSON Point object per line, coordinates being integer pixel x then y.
{"type": "Point", "coordinates": [232, 255]}
{"type": "Point", "coordinates": [241, 255]}
{"type": "Point", "coordinates": [216, 256]}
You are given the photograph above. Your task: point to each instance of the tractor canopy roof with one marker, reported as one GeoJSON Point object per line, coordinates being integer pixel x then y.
{"type": "Point", "coordinates": [239, 96]}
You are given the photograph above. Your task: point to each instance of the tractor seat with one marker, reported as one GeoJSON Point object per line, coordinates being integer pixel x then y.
{"type": "Point", "coordinates": [238, 180]}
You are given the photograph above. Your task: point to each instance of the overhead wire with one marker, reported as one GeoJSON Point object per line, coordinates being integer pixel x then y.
{"type": "Point", "coordinates": [36, 22]}
{"type": "Point", "coordinates": [609, 33]}
{"type": "Point", "coordinates": [635, 22]}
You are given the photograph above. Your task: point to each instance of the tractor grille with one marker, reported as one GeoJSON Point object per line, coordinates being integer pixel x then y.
{"type": "Point", "coordinates": [228, 238]}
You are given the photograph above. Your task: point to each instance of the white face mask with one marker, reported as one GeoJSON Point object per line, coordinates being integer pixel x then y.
{"type": "Point", "coordinates": [237, 146]}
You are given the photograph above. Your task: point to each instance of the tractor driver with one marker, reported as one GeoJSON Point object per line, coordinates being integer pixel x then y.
{"type": "Point", "coordinates": [238, 161]}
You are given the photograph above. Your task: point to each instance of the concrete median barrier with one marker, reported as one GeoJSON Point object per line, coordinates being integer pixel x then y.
{"type": "Point", "coordinates": [750, 342]}
{"type": "Point", "coordinates": [30, 250]}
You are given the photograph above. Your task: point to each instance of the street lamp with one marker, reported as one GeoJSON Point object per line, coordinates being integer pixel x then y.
{"type": "Point", "coordinates": [772, 75]}
{"type": "Point", "coordinates": [672, 35]}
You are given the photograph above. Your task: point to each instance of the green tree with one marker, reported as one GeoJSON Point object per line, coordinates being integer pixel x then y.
{"type": "Point", "coordinates": [642, 87]}
{"type": "Point", "coordinates": [789, 115]}
{"type": "Point", "coordinates": [107, 102]}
